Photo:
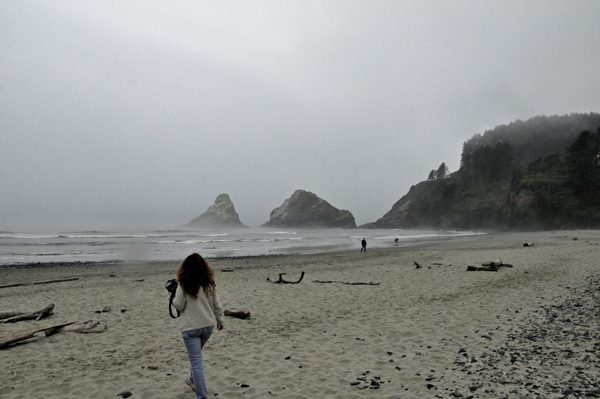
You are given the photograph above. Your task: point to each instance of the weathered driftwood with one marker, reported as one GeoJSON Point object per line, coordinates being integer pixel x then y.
{"type": "Point", "coordinates": [39, 282]}
{"type": "Point", "coordinates": [492, 266]}
{"type": "Point", "coordinates": [482, 268]}
{"type": "Point", "coordinates": [345, 282]}
{"type": "Point", "coordinates": [38, 314]}
{"type": "Point", "coordinates": [240, 314]}
{"type": "Point", "coordinates": [26, 334]}
{"type": "Point", "coordinates": [9, 313]}
{"type": "Point", "coordinates": [360, 283]}
{"type": "Point", "coordinates": [282, 281]}
{"type": "Point", "coordinates": [495, 264]}
{"type": "Point", "coordinates": [90, 326]}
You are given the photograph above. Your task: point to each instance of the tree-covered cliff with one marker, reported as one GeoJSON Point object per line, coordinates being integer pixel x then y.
{"type": "Point", "coordinates": [543, 173]}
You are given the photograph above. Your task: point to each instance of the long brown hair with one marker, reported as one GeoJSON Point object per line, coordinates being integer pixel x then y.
{"type": "Point", "coordinates": [194, 273]}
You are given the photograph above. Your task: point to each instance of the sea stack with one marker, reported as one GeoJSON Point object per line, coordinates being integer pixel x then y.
{"type": "Point", "coordinates": [221, 214]}
{"type": "Point", "coordinates": [305, 210]}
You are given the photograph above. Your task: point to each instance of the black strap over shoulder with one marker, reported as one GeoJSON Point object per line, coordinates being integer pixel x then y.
{"type": "Point", "coordinates": [171, 308]}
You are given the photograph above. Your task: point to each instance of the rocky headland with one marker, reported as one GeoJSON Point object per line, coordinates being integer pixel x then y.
{"type": "Point", "coordinates": [403, 214]}
{"type": "Point", "coordinates": [221, 214]}
{"type": "Point", "coordinates": [539, 174]}
{"type": "Point", "coordinates": [306, 210]}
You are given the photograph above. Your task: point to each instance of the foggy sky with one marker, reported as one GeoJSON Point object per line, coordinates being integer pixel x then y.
{"type": "Point", "coordinates": [138, 114]}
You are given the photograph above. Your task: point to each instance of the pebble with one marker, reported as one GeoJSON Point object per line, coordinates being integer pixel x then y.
{"type": "Point", "coordinates": [551, 352]}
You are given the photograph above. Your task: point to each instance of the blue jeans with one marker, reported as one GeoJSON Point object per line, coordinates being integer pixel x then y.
{"type": "Point", "coordinates": [194, 342]}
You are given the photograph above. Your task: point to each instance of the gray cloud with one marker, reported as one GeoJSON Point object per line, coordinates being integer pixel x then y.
{"type": "Point", "coordinates": [139, 114]}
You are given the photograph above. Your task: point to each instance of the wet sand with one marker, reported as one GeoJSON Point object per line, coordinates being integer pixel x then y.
{"type": "Point", "coordinates": [419, 333]}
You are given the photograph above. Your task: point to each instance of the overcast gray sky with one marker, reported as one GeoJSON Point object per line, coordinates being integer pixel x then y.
{"type": "Point", "coordinates": [137, 114]}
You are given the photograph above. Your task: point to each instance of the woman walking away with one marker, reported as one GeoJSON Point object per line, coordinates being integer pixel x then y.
{"type": "Point", "coordinates": [196, 298]}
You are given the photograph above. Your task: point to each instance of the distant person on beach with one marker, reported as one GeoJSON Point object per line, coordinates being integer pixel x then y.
{"type": "Point", "coordinates": [197, 300]}
{"type": "Point", "coordinates": [364, 245]}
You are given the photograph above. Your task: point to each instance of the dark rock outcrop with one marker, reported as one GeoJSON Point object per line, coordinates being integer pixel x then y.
{"type": "Point", "coordinates": [221, 214]}
{"type": "Point", "coordinates": [420, 207]}
{"type": "Point", "coordinates": [304, 209]}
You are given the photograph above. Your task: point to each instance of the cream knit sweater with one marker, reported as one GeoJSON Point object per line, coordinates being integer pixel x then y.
{"type": "Point", "coordinates": [198, 312]}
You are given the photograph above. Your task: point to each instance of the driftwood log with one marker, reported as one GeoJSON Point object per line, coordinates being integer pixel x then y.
{"type": "Point", "coordinates": [495, 264]}
{"type": "Point", "coordinates": [239, 314]}
{"type": "Point", "coordinates": [282, 281]}
{"type": "Point", "coordinates": [482, 268]}
{"type": "Point", "coordinates": [345, 282]}
{"type": "Point", "coordinates": [489, 266]}
{"type": "Point", "coordinates": [39, 282]}
{"type": "Point", "coordinates": [9, 313]}
{"type": "Point", "coordinates": [38, 314]}
{"type": "Point", "coordinates": [90, 326]}
{"type": "Point", "coordinates": [26, 334]}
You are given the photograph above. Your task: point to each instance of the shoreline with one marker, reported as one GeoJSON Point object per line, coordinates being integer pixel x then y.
{"type": "Point", "coordinates": [423, 243]}
{"type": "Point", "coordinates": [144, 246]}
{"type": "Point", "coordinates": [310, 339]}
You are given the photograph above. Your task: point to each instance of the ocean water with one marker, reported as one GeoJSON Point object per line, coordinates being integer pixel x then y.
{"type": "Point", "coordinates": [96, 246]}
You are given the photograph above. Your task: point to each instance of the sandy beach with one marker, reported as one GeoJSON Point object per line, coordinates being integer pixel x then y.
{"type": "Point", "coordinates": [436, 331]}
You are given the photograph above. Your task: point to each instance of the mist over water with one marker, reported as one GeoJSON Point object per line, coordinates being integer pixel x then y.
{"type": "Point", "coordinates": [138, 114]}
{"type": "Point", "coordinates": [95, 246]}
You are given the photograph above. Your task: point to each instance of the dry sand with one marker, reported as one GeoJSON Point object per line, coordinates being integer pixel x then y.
{"type": "Point", "coordinates": [309, 340]}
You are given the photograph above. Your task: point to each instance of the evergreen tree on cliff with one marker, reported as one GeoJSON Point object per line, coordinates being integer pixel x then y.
{"type": "Point", "coordinates": [583, 168]}
{"type": "Point", "coordinates": [442, 171]}
{"type": "Point", "coordinates": [431, 175]}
